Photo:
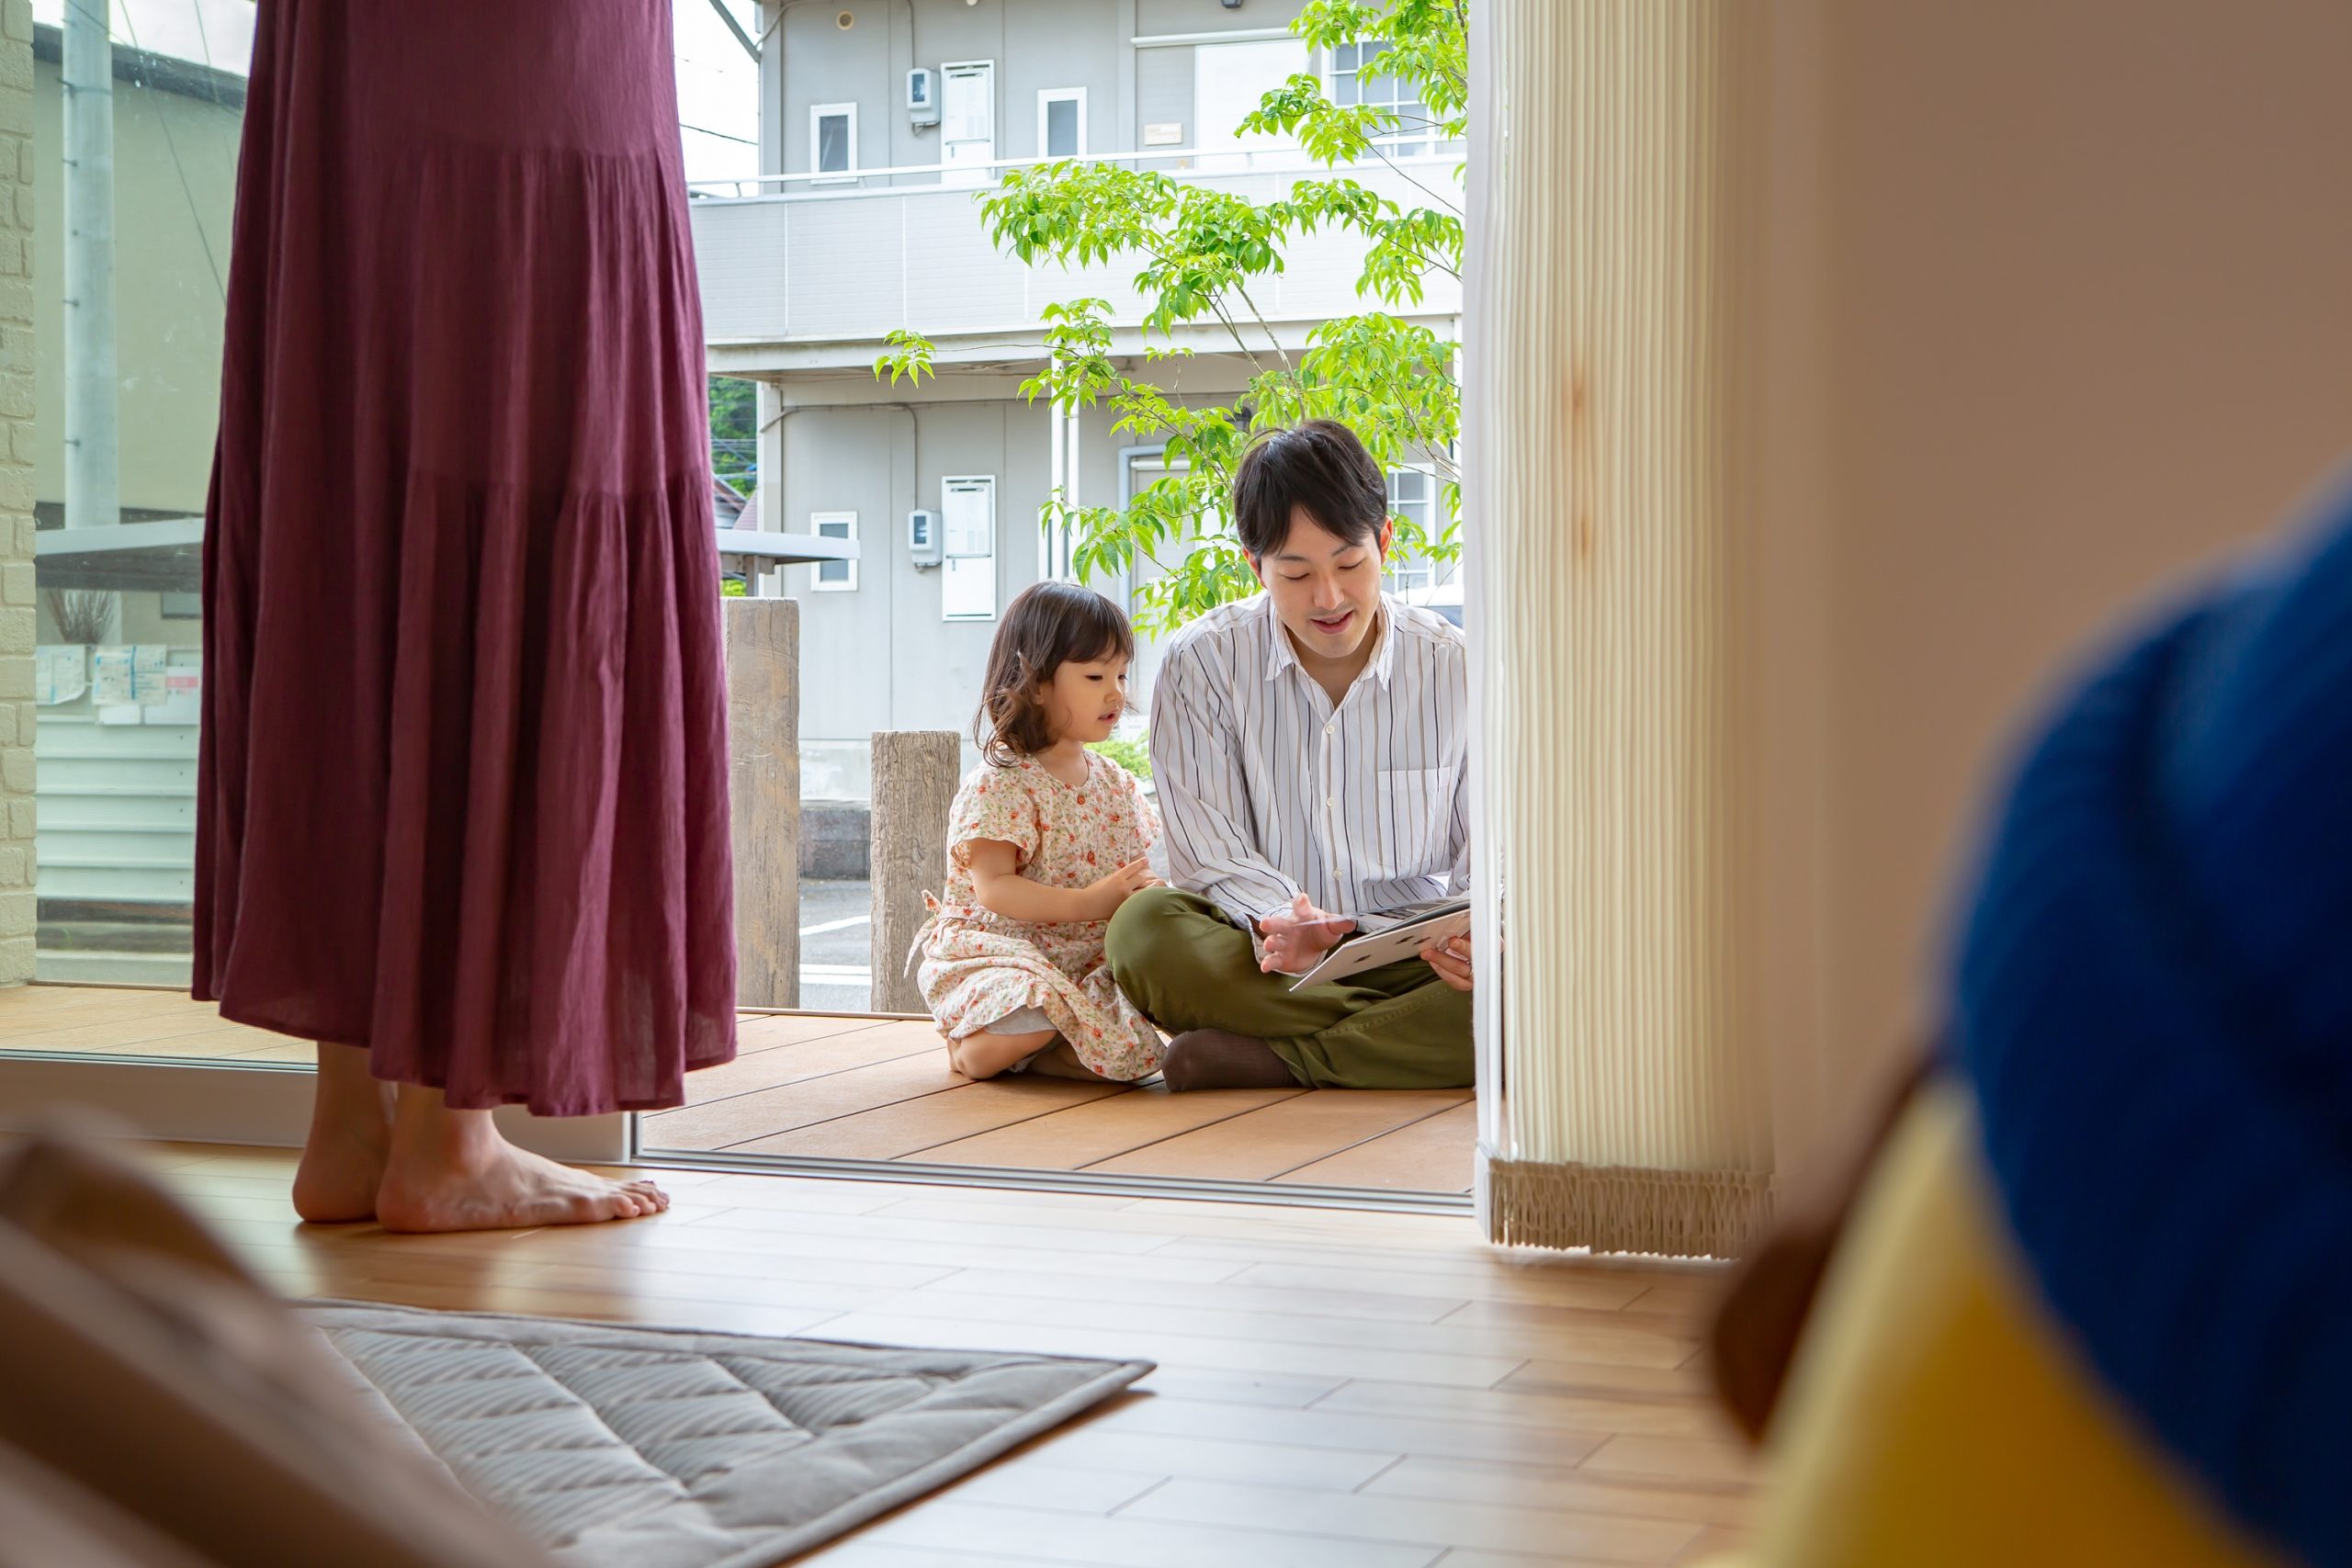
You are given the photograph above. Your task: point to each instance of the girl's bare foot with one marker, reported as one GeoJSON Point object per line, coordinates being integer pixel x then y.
{"type": "Point", "coordinates": [982, 1054]}
{"type": "Point", "coordinates": [1060, 1060]}
{"type": "Point", "coordinates": [452, 1170]}
{"type": "Point", "coordinates": [349, 1143]}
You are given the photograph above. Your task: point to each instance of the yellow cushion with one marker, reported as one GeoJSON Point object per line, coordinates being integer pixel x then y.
{"type": "Point", "coordinates": [1934, 1420]}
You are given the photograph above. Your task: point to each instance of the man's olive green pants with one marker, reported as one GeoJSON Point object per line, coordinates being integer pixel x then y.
{"type": "Point", "coordinates": [1187, 966]}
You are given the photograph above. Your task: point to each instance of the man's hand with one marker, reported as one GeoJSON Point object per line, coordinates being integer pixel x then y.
{"type": "Point", "coordinates": [1297, 937]}
{"type": "Point", "coordinates": [1451, 959]}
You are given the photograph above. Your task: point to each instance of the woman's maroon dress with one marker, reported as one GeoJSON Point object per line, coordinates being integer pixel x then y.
{"type": "Point", "coordinates": [463, 791]}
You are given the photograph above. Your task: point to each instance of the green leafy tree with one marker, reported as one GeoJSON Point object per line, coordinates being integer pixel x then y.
{"type": "Point", "coordinates": [1205, 254]}
{"type": "Point", "coordinates": [735, 432]}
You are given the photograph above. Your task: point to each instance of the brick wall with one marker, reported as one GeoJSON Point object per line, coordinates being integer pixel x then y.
{"type": "Point", "coordinates": [15, 491]}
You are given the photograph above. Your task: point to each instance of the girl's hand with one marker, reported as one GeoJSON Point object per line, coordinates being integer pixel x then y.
{"type": "Point", "coordinates": [1104, 896]}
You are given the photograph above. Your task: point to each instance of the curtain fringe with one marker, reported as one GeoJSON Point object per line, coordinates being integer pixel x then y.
{"type": "Point", "coordinates": [1673, 1213]}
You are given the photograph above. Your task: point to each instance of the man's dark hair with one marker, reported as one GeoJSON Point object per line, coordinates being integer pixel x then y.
{"type": "Point", "coordinates": [1318, 464]}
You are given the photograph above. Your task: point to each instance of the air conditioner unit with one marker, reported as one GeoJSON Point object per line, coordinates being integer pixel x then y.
{"type": "Point", "coordinates": [923, 537]}
{"type": "Point", "coordinates": [922, 97]}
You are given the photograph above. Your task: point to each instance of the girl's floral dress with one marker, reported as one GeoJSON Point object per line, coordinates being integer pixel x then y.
{"type": "Point", "coordinates": [979, 968]}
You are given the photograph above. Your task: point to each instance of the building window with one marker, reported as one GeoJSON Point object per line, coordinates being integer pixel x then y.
{"type": "Point", "coordinates": [833, 139]}
{"type": "Point", "coordinates": [1412, 496]}
{"type": "Point", "coordinates": [1061, 122]}
{"type": "Point", "coordinates": [834, 576]}
{"type": "Point", "coordinates": [1356, 78]}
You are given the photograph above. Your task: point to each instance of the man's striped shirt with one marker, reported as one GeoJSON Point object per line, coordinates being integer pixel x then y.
{"type": "Point", "coordinates": [1267, 790]}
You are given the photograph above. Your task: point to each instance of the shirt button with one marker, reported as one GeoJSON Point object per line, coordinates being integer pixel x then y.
{"type": "Point", "coordinates": [1332, 801]}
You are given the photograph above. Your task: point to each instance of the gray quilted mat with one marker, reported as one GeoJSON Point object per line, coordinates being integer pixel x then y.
{"type": "Point", "coordinates": [621, 1447]}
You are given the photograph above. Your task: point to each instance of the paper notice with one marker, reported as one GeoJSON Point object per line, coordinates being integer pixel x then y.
{"type": "Point", "coordinates": [111, 675]}
{"type": "Point", "coordinates": [147, 665]}
{"type": "Point", "coordinates": [60, 673]}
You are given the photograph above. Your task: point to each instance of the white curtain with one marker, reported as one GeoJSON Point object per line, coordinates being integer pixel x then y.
{"type": "Point", "coordinates": [1620, 1108]}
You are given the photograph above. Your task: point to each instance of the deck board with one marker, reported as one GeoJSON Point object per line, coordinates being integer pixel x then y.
{"type": "Point", "coordinates": [854, 1087]}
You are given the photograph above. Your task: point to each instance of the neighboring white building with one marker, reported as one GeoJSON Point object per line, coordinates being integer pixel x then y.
{"type": "Point", "coordinates": [867, 223]}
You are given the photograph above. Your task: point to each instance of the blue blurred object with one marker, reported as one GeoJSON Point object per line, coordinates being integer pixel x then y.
{"type": "Point", "coordinates": [2153, 999]}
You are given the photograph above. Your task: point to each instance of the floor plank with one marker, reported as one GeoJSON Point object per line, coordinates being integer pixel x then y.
{"type": "Point", "coordinates": [1263, 1144]}
{"type": "Point", "coordinates": [1425, 1521]}
{"type": "Point", "coordinates": [1088, 1135]}
{"type": "Point", "coordinates": [740, 1119]}
{"type": "Point", "coordinates": [1432, 1155]}
{"type": "Point", "coordinates": [923, 1122]}
{"type": "Point", "coordinates": [1540, 1486]}
{"type": "Point", "coordinates": [785, 1062]}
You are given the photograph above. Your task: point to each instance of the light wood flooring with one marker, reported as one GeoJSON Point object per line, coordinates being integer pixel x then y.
{"type": "Point", "coordinates": [1340, 1388]}
{"type": "Point", "coordinates": [859, 1088]}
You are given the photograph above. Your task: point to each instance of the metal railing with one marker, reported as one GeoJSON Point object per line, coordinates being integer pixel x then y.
{"type": "Point", "coordinates": [1284, 158]}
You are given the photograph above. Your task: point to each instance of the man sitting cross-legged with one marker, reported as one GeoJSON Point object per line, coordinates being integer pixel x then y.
{"type": "Point", "coordinates": [1308, 747]}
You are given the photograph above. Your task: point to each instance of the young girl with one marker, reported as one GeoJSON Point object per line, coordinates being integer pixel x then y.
{"type": "Point", "coordinates": [1046, 839]}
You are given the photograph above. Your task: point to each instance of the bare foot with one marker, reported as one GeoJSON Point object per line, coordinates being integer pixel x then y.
{"type": "Point", "coordinates": [453, 1170]}
{"type": "Point", "coordinates": [336, 1183]}
{"type": "Point", "coordinates": [511, 1189]}
{"type": "Point", "coordinates": [349, 1143]}
{"type": "Point", "coordinates": [984, 1054]}
{"type": "Point", "coordinates": [1060, 1060]}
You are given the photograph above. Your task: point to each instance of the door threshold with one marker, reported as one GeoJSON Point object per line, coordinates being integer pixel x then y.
{"type": "Point", "coordinates": [1102, 1184]}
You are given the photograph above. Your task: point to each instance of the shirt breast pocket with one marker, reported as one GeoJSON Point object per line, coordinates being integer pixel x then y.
{"type": "Point", "coordinates": [1409, 836]}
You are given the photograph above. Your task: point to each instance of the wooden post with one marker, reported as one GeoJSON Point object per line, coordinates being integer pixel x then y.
{"type": "Point", "coordinates": [763, 742]}
{"type": "Point", "coordinates": [915, 773]}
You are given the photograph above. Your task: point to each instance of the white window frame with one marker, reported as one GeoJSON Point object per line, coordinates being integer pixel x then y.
{"type": "Point", "coordinates": [1402, 570]}
{"type": "Point", "coordinates": [1405, 141]}
{"type": "Point", "coordinates": [817, 116]}
{"type": "Point", "coordinates": [1046, 97]}
{"type": "Point", "coordinates": [818, 523]}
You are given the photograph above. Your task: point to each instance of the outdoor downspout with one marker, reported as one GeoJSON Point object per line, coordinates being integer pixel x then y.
{"type": "Point", "coordinates": [92, 498]}
{"type": "Point", "coordinates": [1127, 456]}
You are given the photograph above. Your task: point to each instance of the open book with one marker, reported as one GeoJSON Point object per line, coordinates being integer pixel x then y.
{"type": "Point", "coordinates": [1391, 937]}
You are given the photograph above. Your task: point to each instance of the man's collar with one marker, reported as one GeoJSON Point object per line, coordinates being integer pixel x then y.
{"type": "Point", "coordinates": [1282, 655]}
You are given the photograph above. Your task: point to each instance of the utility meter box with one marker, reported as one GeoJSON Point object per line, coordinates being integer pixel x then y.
{"type": "Point", "coordinates": [922, 97]}
{"type": "Point", "coordinates": [923, 537]}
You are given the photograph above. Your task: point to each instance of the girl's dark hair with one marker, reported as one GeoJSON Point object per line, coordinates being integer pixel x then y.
{"type": "Point", "coordinates": [1046, 627]}
{"type": "Point", "coordinates": [1319, 464]}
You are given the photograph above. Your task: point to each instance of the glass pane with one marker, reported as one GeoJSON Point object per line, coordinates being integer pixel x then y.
{"type": "Point", "coordinates": [832, 144]}
{"type": "Point", "coordinates": [127, 342]}
{"type": "Point", "coordinates": [1343, 91]}
{"type": "Point", "coordinates": [832, 570]}
{"type": "Point", "coordinates": [1061, 128]}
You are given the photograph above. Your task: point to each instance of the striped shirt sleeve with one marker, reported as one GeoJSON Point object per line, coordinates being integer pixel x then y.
{"type": "Point", "coordinates": [1204, 800]}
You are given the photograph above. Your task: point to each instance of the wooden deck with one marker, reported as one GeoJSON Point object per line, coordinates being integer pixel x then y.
{"type": "Point", "coordinates": [860, 1087]}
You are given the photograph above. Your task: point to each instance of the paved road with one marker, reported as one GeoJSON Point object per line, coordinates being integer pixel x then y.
{"type": "Point", "coordinates": [834, 937]}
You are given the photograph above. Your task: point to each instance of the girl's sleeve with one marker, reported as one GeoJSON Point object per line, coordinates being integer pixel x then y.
{"type": "Point", "coordinates": [995, 807]}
